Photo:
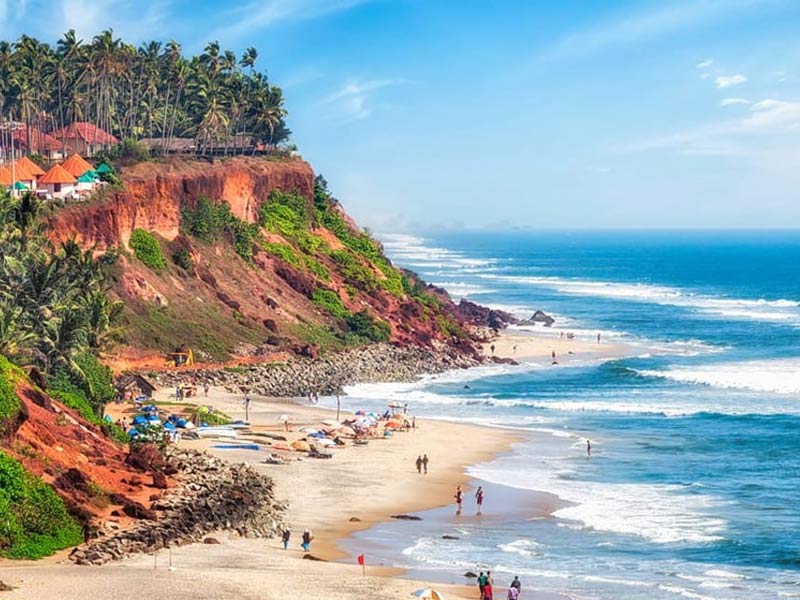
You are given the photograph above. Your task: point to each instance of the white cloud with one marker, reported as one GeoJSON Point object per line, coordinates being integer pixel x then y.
{"type": "Point", "coordinates": [705, 64]}
{"type": "Point", "coordinates": [352, 101]}
{"type": "Point", "coordinates": [776, 121]}
{"type": "Point", "coordinates": [726, 81]}
{"type": "Point", "coordinates": [261, 14]}
{"type": "Point", "coordinates": [667, 19]}
{"type": "Point", "coordinates": [733, 101]}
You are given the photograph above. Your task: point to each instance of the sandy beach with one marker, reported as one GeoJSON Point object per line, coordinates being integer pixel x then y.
{"type": "Point", "coordinates": [366, 484]}
{"type": "Point", "coordinates": [359, 487]}
{"type": "Point", "coordinates": [526, 346]}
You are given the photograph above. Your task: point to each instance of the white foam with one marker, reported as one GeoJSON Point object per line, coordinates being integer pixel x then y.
{"type": "Point", "coordinates": [660, 513]}
{"type": "Point", "coordinates": [460, 289]}
{"type": "Point", "coordinates": [759, 309]}
{"type": "Point", "coordinates": [781, 376]}
{"type": "Point", "coordinates": [521, 547]}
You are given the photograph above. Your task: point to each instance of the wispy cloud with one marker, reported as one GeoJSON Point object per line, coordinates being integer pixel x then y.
{"type": "Point", "coordinates": [705, 64]}
{"type": "Point", "coordinates": [734, 101]}
{"type": "Point", "coordinates": [776, 120]}
{"type": "Point", "coordinates": [666, 19]}
{"type": "Point", "coordinates": [353, 100]}
{"type": "Point", "coordinates": [261, 14]}
{"type": "Point", "coordinates": [726, 81]}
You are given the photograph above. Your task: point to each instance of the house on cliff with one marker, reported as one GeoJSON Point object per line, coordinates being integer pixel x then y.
{"type": "Point", "coordinates": [85, 139]}
{"type": "Point", "coordinates": [30, 140]}
{"type": "Point", "coordinates": [59, 183]}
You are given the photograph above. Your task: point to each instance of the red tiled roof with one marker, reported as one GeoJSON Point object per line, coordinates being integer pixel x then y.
{"type": "Point", "coordinates": [39, 140]}
{"type": "Point", "coordinates": [76, 166]}
{"type": "Point", "coordinates": [22, 171]}
{"type": "Point", "coordinates": [57, 174]}
{"type": "Point", "coordinates": [86, 132]}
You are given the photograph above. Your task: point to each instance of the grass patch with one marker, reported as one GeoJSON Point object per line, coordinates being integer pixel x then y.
{"type": "Point", "coordinates": [9, 402]}
{"type": "Point", "coordinates": [34, 522]}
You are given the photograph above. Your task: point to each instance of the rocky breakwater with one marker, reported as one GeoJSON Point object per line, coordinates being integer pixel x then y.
{"type": "Point", "coordinates": [210, 495]}
{"type": "Point", "coordinates": [329, 374]}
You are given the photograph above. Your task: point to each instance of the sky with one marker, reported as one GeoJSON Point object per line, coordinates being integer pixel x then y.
{"type": "Point", "coordinates": [426, 114]}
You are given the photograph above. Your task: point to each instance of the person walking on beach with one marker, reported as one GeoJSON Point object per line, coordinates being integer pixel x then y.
{"type": "Point", "coordinates": [425, 463]}
{"type": "Point", "coordinates": [479, 498]}
{"type": "Point", "coordinates": [459, 496]}
{"type": "Point", "coordinates": [517, 585]}
{"type": "Point", "coordinates": [419, 465]}
{"type": "Point", "coordinates": [205, 388]}
{"type": "Point", "coordinates": [481, 582]}
{"type": "Point", "coordinates": [488, 593]}
{"type": "Point", "coordinates": [492, 349]}
{"type": "Point", "coordinates": [513, 593]}
{"type": "Point", "coordinates": [307, 537]}
{"type": "Point", "coordinates": [285, 536]}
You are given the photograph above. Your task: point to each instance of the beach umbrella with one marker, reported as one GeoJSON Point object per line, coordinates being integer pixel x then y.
{"type": "Point", "coordinates": [360, 413]}
{"type": "Point", "coordinates": [300, 445]}
{"type": "Point", "coordinates": [428, 594]}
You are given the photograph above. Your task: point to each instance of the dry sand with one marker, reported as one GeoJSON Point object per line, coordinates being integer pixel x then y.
{"type": "Point", "coordinates": [523, 346]}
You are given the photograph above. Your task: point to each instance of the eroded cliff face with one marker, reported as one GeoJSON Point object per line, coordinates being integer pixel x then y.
{"type": "Point", "coordinates": [153, 193]}
{"type": "Point", "coordinates": [224, 306]}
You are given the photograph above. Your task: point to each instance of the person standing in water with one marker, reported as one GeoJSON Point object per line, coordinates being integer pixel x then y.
{"type": "Point", "coordinates": [459, 496]}
{"type": "Point", "coordinates": [479, 498]}
{"type": "Point", "coordinates": [598, 337]}
{"type": "Point", "coordinates": [588, 448]}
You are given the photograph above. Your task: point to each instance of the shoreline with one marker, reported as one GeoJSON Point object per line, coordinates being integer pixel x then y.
{"type": "Point", "coordinates": [368, 483]}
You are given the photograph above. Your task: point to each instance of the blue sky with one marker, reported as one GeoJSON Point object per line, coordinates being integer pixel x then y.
{"type": "Point", "coordinates": [572, 114]}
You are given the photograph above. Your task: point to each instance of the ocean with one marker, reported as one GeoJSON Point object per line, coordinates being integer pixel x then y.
{"type": "Point", "coordinates": [692, 490]}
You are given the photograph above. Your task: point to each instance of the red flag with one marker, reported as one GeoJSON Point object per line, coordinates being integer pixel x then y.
{"type": "Point", "coordinates": [361, 559]}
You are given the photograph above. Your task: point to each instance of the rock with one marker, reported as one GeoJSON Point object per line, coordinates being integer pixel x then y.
{"type": "Point", "coordinates": [159, 480]}
{"type": "Point", "coordinates": [211, 540]}
{"type": "Point", "coordinates": [355, 520]}
{"type": "Point", "coordinates": [4, 587]}
{"type": "Point", "coordinates": [539, 317]}
{"type": "Point", "coordinates": [312, 557]}
{"type": "Point", "coordinates": [136, 510]}
{"type": "Point", "coordinates": [406, 517]}
{"type": "Point", "coordinates": [450, 537]}
{"type": "Point", "coordinates": [483, 316]}
{"type": "Point", "coordinates": [470, 575]}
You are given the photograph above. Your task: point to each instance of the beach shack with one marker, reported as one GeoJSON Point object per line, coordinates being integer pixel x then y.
{"type": "Point", "coordinates": [85, 139]}
{"type": "Point", "coordinates": [5, 178]}
{"type": "Point", "coordinates": [31, 166]}
{"type": "Point", "coordinates": [131, 387]}
{"type": "Point", "coordinates": [87, 181]}
{"type": "Point", "coordinates": [58, 182]}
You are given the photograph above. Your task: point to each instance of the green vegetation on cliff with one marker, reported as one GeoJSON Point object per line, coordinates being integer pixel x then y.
{"type": "Point", "coordinates": [210, 221]}
{"type": "Point", "coordinates": [33, 520]}
{"type": "Point", "coordinates": [147, 249]}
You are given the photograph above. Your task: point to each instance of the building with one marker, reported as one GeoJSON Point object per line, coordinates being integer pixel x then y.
{"type": "Point", "coordinates": [85, 139]}
{"type": "Point", "coordinates": [131, 387]}
{"type": "Point", "coordinates": [37, 142]}
{"type": "Point", "coordinates": [59, 183]}
{"type": "Point", "coordinates": [76, 166]}
{"type": "Point", "coordinates": [21, 171]}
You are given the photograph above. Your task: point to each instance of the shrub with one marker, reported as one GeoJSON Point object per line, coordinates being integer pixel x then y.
{"type": "Point", "coordinates": [330, 301]}
{"type": "Point", "coordinates": [9, 402]}
{"type": "Point", "coordinates": [182, 258]}
{"type": "Point", "coordinates": [287, 214]}
{"type": "Point", "coordinates": [209, 221]}
{"type": "Point", "coordinates": [35, 521]}
{"type": "Point", "coordinates": [147, 249]}
{"type": "Point", "coordinates": [316, 267]}
{"type": "Point", "coordinates": [363, 325]}
{"type": "Point", "coordinates": [282, 251]}
{"type": "Point", "coordinates": [354, 271]}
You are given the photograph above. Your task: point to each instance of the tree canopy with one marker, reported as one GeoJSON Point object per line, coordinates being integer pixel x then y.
{"type": "Point", "coordinates": [149, 91]}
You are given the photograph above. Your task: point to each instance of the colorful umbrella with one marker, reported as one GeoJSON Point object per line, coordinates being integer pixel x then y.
{"type": "Point", "coordinates": [428, 594]}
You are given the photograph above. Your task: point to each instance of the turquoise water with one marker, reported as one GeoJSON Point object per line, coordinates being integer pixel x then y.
{"type": "Point", "coordinates": [692, 491]}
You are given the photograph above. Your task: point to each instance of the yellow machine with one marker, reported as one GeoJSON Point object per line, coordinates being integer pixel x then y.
{"type": "Point", "coordinates": [182, 358]}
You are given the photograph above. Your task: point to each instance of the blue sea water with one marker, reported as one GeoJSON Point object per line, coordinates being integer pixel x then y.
{"type": "Point", "coordinates": [692, 489]}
